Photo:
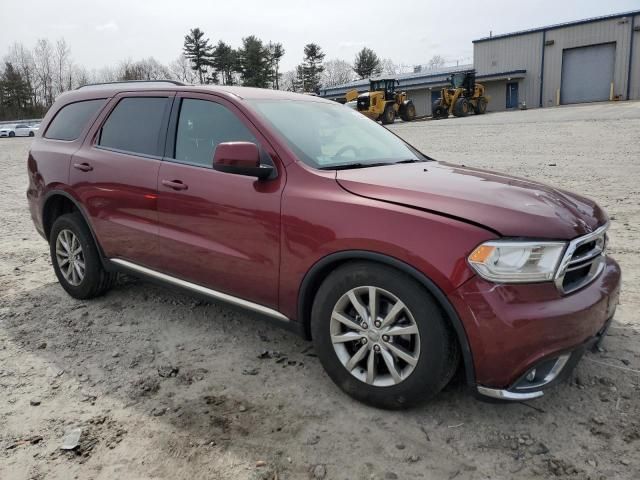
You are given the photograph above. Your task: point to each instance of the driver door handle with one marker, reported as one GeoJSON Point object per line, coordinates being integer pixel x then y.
{"type": "Point", "coordinates": [175, 184]}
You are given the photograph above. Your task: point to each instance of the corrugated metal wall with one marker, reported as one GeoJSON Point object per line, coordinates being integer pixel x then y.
{"type": "Point", "coordinates": [634, 91]}
{"type": "Point", "coordinates": [421, 99]}
{"type": "Point", "coordinates": [614, 30]}
{"type": "Point", "coordinates": [524, 51]}
{"type": "Point", "coordinates": [508, 54]}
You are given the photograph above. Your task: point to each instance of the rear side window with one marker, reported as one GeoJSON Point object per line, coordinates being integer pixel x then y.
{"type": "Point", "coordinates": [71, 120]}
{"type": "Point", "coordinates": [134, 126]}
{"type": "Point", "coordinates": [202, 125]}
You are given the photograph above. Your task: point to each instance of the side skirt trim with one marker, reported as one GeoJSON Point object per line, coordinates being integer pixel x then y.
{"type": "Point", "coordinates": [200, 289]}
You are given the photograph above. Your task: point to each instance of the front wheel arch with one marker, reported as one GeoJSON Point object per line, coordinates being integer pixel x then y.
{"type": "Point", "coordinates": [321, 269]}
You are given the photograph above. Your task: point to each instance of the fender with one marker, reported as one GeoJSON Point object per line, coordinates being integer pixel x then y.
{"type": "Point", "coordinates": [105, 263]}
{"type": "Point", "coordinates": [305, 296]}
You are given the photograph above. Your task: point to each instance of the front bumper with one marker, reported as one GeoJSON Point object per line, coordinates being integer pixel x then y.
{"type": "Point", "coordinates": [513, 329]}
{"type": "Point", "coordinates": [545, 373]}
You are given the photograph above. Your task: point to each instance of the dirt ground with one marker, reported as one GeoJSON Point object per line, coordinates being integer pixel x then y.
{"type": "Point", "coordinates": [164, 386]}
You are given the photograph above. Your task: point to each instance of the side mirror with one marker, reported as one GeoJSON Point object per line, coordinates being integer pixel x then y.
{"type": "Point", "coordinates": [241, 158]}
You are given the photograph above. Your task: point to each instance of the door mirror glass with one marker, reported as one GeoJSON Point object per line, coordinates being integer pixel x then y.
{"type": "Point", "coordinates": [241, 158]}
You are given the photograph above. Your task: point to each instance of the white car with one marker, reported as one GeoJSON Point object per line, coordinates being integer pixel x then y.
{"type": "Point", "coordinates": [24, 130]}
{"type": "Point", "coordinates": [7, 131]}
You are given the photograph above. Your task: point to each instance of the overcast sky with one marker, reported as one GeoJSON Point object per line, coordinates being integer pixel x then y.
{"type": "Point", "coordinates": [409, 31]}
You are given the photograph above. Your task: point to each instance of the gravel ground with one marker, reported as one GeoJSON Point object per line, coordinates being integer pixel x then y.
{"type": "Point", "coordinates": [164, 386]}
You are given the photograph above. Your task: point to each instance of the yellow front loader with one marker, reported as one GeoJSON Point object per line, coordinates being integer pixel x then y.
{"type": "Point", "coordinates": [464, 96]}
{"type": "Point", "coordinates": [382, 102]}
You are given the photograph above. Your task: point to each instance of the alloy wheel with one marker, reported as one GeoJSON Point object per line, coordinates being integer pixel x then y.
{"type": "Point", "coordinates": [375, 336]}
{"type": "Point", "coordinates": [70, 257]}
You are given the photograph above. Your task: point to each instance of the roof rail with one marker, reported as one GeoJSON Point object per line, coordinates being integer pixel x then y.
{"type": "Point", "coordinates": [173, 82]}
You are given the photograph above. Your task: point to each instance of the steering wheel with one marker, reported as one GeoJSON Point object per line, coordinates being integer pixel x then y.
{"type": "Point", "coordinates": [346, 148]}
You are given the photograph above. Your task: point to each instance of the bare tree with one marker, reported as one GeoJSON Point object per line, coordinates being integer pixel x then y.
{"type": "Point", "coordinates": [389, 67]}
{"type": "Point", "coordinates": [180, 69]}
{"type": "Point", "coordinates": [337, 72]}
{"type": "Point", "coordinates": [437, 61]}
{"type": "Point", "coordinates": [63, 80]}
{"type": "Point", "coordinates": [44, 68]}
{"type": "Point", "coordinates": [289, 81]}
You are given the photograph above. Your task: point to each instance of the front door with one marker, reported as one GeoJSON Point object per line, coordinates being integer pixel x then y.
{"type": "Point", "coordinates": [512, 95]}
{"type": "Point", "coordinates": [218, 230]}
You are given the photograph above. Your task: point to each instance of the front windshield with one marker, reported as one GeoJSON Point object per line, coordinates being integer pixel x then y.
{"type": "Point", "coordinates": [327, 136]}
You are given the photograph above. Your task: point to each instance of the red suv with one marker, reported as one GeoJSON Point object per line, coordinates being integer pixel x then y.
{"type": "Point", "coordinates": [398, 267]}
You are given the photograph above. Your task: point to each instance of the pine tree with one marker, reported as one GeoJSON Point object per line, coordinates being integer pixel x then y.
{"type": "Point", "coordinates": [15, 97]}
{"type": "Point", "coordinates": [225, 62]}
{"type": "Point", "coordinates": [199, 51]}
{"type": "Point", "coordinates": [367, 64]}
{"type": "Point", "coordinates": [254, 62]}
{"type": "Point", "coordinates": [312, 67]}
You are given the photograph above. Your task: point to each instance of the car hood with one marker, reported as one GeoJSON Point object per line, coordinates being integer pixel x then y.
{"type": "Point", "coordinates": [510, 206]}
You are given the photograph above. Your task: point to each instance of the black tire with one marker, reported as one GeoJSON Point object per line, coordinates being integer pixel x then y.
{"type": "Point", "coordinates": [461, 107]}
{"type": "Point", "coordinates": [438, 357]}
{"type": "Point", "coordinates": [481, 106]}
{"type": "Point", "coordinates": [408, 113]}
{"type": "Point", "coordinates": [389, 114]}
{"type": "Point", "coordinates": [31, 134]}
{"type": "Point", "coordinates": [439, 112]}
{"type": "Point", "coordinates": [96, 279]}
{"type": "Point", "coordinates": [12, 134]}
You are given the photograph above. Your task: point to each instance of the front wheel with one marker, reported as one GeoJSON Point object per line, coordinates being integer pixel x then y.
{"type": "Point", "coordinates": [389, 114]}
{"type": "Point", "coordinates": [31, 134]}
{"type": "Point", "coordinates": [381, 337]}
{"type": "Point", "coordinates": [12, 134]}
{"type": "Point", "coordinates": [408, 113]}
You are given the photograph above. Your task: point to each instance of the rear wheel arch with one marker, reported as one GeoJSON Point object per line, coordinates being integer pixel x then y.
{"type": "Point", "coordinates": [321, 269]}
{"type": "Point", "coordinates": [58, 203]}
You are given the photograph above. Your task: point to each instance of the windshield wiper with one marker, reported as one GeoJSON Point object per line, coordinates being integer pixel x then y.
{"type": "Point", "coordinates": [348, 166]}
{"type": "Point", "coordinates": [410, 160]}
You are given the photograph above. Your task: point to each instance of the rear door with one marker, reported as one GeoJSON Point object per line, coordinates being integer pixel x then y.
{"type": "Point", "coordinates": [217, 229]}
{"type": "Point", "coordinates": [115, 174]}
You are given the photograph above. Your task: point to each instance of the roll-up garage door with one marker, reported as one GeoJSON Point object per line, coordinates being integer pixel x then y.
{"type": "Point", "coordinates": [587, 73]}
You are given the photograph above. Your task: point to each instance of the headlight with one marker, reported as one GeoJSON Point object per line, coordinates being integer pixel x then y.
{"type": "Point", "coordinates": [517, 262]}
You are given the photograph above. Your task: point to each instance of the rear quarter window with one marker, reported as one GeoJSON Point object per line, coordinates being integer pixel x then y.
{"type": "Point", "coordinates": [71, 120]}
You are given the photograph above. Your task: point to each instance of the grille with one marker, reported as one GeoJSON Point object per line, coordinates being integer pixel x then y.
{"type": "Point", "coordinates": [583, 261]}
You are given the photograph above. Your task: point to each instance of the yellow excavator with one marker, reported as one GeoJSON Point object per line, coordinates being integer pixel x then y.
{"type": "Point", "coordinates": [382, 102]}
{"type": "Point", "coordinates": [464, 96]}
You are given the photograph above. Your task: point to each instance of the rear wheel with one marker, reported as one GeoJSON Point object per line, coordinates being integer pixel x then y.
{"type": "Point", "coordinates": [389, 114]}
{"type": "Point", "coordinates": [461, 108]}
{"type": "Point", "coordinates": [408, 113]}
{"type": "Point", "coordinates": [12, 134]}
{"type": "Point", "coordinates": [76, 260]}
{"type": "Point", "coordinates": [481, 106]}
{"type": "Point", "coordinates": [381, 337]}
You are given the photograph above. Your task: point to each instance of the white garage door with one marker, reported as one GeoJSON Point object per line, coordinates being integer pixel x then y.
{"type": "Point", "coordinates": [587, 73]}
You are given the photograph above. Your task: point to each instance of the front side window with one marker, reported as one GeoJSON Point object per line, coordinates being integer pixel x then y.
{"type": "Point", "coordinates": [202, 125]}
{"type": "Point", "coordinates": [134, 126]}
{"type": "Point", "coordinates": [71, 120]}
{"type": "Point", "coordinates": [326, 135]}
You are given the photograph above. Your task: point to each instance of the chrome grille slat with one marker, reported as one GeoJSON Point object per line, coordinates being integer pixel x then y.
{"type": "Point", "coordinates": [572, 261]}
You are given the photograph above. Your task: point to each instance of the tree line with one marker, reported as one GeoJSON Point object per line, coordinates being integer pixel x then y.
{"type": "Point", "coordinates": [31, 79]}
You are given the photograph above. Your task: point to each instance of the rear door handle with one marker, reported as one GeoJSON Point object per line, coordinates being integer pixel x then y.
{"type": "Point", "coordinates": [85, 167]}
{"type": "Point", "coordinates": [175, 184]}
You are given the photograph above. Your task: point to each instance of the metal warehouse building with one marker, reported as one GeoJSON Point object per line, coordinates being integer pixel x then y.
{"type": "Point", "coordinates": [591, 60]}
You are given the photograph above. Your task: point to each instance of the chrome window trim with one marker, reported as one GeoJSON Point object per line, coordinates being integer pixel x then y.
{"type": "Point", "coordinates": [596, 267]}
{"type": "Point", "coordinates": [255, 307]}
